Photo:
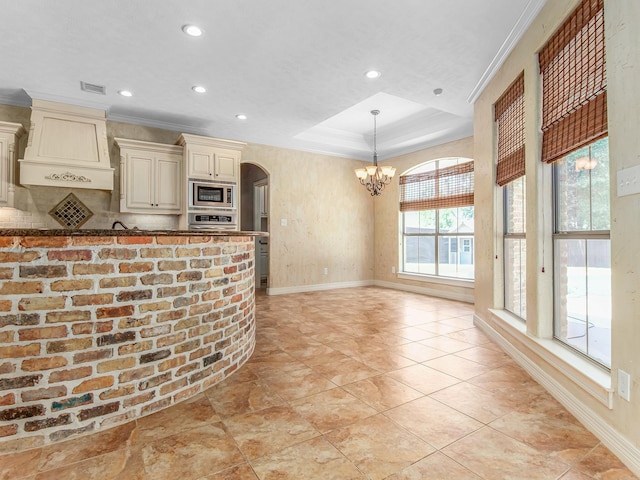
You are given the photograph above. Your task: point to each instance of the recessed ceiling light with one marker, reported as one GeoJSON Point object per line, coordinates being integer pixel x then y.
{"type": "Point", "coordinates": [372, 74]}
{"type": "Point", "coordinates": [241, 116]}
{"type": "Point", "coordinates": [437, 92]}
{"type": "Point", "coordinates": [192, 30]}
{"type": "Point", "coordinates": [125, 93]}
{"type": "Point", "coordinates": [198, 89]}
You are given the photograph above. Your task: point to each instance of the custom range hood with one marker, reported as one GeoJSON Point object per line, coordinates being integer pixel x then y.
{"type": "Point", "coordinates": [67, 147]}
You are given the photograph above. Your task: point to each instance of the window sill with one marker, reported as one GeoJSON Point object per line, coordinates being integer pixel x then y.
{"type": "Point", "coordinates": [456, 282]}
{"type": "Point", "coordinates": [591, 378]}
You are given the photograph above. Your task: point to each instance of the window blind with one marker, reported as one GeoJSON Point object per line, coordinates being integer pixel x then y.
{"type": "Point", "coordinates": [574, 81]}
{"type": "Point", "coordinates": [447, 187]}
{"type": "Point", "coordinates": [509, 116]}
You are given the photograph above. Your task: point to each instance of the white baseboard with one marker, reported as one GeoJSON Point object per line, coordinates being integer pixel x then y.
{"type": "Point", "coordinates": [318, 287]}
{"type": "Point", "coordinates": [467, 298]}
{"type": "Point", "coordinates": [626, 451]}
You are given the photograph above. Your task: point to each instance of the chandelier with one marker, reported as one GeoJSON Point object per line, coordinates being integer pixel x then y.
{"type": "Point", "coordinates": [373, 177]}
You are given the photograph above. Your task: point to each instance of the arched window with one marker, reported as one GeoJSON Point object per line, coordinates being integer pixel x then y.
{"type": "Point", "coordinates": [436, 203]}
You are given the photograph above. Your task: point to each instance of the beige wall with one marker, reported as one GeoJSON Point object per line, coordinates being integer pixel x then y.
{"type": "Point", "coordinates": [623, 65]}
{"type": "Point", "coordinates": [329, 219]}
{"type": "Point", "coordinates": [387, 218]}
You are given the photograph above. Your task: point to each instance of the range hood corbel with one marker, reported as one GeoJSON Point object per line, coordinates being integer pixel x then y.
{"type": "Point", "coordinates": [67, 147]}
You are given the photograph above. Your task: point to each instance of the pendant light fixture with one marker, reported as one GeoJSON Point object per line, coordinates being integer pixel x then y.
{"type": "Point", "coordinates": [373, 177]}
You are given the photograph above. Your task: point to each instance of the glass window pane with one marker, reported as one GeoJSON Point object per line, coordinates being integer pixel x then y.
{"type": "Point", "coordinates": [600, 216]}
{"type": "Point", "coordinates": [427, 221]}
{"type": "Point", "coordinates": [573, 192]}
{"type": "Point", "coordinates": [428, 255]}
{"type": "Point", "coordinates": [411, 222]}
{"type": "Point", "coordinates": [571, 292]}
{"type": "Point", "coordinates": [447, 220]}
{"type": "Point", "coordinates": [419, 255]}
{"type": "Point", "coordinates": [599, 300]}
{"type": "Point", "coordinates": [453, 262]}
{"type": "Point", "coordinates": [515, 206]}
{"type": "Point", "coordinates": [515, 274]}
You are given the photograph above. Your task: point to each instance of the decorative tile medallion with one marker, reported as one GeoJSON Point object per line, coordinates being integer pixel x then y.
{"type": "Point", "coordinates": [71, 212]}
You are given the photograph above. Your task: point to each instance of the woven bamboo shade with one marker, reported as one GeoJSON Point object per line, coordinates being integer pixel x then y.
{"type": "Point", "coordinates": [574, 82]}
{"type": "Point", "coordinates": [447, 187]}
{"type": "Point", "coordinates": [509, 115]}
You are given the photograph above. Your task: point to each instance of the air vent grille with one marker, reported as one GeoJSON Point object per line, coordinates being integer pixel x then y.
{"type": "Point", "coordinates": [93, 88]}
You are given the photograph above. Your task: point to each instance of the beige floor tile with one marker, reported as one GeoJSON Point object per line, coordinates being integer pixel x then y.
{"type": "Point", "coordinates": [419, 353]}
{"type": "Point", "coordinates": [64, 453]}
{"type": "Point", "coordinates": [457, 367]}
{"type": "Point", "coordinates": [269, 430]}
{"type": "Point", "coordinates": [378, 447]}
{"type": "Point", "coordinates": [386, 424]}
{"type": "Point", "coordinates": [313, 459]}
{"type": "Point", "coordinates": [385, 360]}
{"type": "Point", "coordinates": [433, 422]}
{"type": "Point", "coordinates": [124, 464]}
{"type": "Point", "coordinates": [246, 397]}
{"type": "Point", "coordinates": [414, 333]}
{"type": "Point", "coordinates": [297, 383]}
{"type": "Point", "coordinates": [600, 463]}
{"type": "Point", "coordinates": [238, 472]}
{"type": "Point", "coordinates": [573, 475]}
{"type": "Point", "coordinates": [382, 392]}
{"type": "Point", "coordinates": [446, 344]}
{"type": "Point", "coordinates": [424, 379]}
{"type": "Point", "coordinates": [332, 409]}
{"type": "Point", "coordinates": [470, 335]}
{"type": "Point", "coordinates": [557, 435]}
{"type": "Point", "coordinates": [193, 413]}
{"type": "Point", "coordinates": [485, 356]}
{"type": "Point", "coordinates": [20, 465]}
{"type": "Point", "coordinates": [346, 370]}
{"type": "Point", "coordinates": [473, 401]}
{"type": "Point", "coordinates": [492, 454]}
{"type": "Point", "coordinates": [191, 455]}
{"type": "Point", "coordinates": [434, 467]}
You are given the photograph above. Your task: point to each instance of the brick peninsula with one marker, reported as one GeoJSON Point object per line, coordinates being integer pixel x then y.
{"type": "Point", "coordinates": [101, 327]}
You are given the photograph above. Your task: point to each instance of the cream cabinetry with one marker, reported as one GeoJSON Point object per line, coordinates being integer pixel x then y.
{"type": "Point", "coordinates": [10, 134]}
{"type": "Point", "coordinates": [211, 158]}
{"type": "Point", "coordinates": [67, 148]}
{"type": "Point", "coordinates": [151, 177]}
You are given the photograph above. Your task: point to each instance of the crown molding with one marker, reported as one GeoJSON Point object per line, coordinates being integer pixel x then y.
{"type": "Point", "coordinates": [530, 12]}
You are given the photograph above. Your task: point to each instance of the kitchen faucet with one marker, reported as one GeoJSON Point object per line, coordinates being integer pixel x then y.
{"type": "Point", "coordinates": [118, 222]}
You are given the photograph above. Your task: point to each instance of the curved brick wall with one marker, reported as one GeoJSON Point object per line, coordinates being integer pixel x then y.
{"type": "Point", "coordinates": [97, 330]}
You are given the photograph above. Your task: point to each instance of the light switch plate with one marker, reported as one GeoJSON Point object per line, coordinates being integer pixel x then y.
{"type": "Point", "coordinates": [624, 385]}
{"type": "Point", "coordinates": [283, 222]}
{"type": "Point", "coordinates": [628, 181]}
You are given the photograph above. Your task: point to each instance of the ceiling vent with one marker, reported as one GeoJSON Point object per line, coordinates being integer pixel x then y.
{"type": "Point", "coordinates": [93, 88]}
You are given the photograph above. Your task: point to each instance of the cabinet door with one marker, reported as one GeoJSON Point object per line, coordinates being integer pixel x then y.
{"type": "Point", "coordinates": [200, 163]}
{"type": "Point", "coordinates": [140, 182]}
{"type": "Point", "coordinates": [168, 191]}
{"type": "Point", "coordinates": [226, 167]}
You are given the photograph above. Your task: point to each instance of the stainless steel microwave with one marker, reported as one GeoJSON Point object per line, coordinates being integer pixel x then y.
{"type": "Point", "coordinates": [216, 195]}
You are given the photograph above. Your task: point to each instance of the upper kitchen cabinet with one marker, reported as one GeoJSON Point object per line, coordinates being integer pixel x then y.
{"type": "Point", "coordinates": [67, 148]}
{"type": "Point", "coordinates": [212, 159]}
{"type": "Point", "coordinates": [150, 177]}
{"type": "Point", "coordinates": [10, 134]}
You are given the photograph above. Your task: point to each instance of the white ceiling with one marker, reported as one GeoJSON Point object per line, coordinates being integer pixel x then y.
{"type": "Point", "coordinates": [294, 67]}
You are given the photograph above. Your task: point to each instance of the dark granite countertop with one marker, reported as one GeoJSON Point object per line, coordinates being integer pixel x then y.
{"type": "Point", "coordinates": [36, 232]}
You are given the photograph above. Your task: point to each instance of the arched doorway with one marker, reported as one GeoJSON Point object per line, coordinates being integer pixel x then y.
{"type": "Point", "coordinates": [254, 215]}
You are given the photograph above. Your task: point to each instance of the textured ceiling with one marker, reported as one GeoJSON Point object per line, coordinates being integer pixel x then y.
{"type": "Point", "coordinates": [294, 67]}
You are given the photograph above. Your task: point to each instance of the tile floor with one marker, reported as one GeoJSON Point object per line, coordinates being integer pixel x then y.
{"type": "Point", "coordinates": [363, 383]}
